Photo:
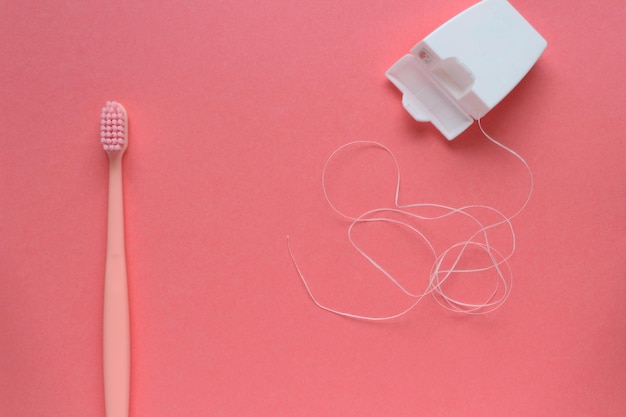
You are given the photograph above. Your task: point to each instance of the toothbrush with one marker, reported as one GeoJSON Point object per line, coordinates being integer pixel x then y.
{"type": "Point", "coordinates": [116, 326]}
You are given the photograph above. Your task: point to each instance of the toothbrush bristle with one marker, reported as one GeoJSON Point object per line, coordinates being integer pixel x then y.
{"type": "Point", "coordinates": [113, 127]}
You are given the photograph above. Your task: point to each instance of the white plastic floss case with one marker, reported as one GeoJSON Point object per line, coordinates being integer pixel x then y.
{"type": "Point", "coordinates": [468, 65]}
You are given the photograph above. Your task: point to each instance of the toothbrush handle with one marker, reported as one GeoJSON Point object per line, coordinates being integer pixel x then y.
{"type": "Point", "coordinates": [116, 335]}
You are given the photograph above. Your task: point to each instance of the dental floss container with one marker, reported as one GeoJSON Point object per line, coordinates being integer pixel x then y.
{"type": "Point", "coordinates": [465, 67]}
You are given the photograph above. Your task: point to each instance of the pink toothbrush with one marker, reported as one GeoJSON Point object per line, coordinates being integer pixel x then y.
{"type": "Point", "coordinates": [116, 349]}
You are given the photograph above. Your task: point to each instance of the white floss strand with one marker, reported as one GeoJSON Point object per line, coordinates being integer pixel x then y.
{"type": "Point", "coordinates": [446, 264]}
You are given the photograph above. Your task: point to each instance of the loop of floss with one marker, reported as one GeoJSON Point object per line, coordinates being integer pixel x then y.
{"type": "Point", "coordinates": [446, 263]}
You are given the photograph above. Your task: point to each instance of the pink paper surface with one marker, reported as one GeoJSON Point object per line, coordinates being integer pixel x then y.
{"type": "Point", "coordinates": [234, 108]}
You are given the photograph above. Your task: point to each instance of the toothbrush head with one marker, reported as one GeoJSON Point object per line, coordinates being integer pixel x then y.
{"type": "Point", "coordinates": [114, 128]}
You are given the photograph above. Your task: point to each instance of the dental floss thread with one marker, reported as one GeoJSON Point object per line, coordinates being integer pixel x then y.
{"type": "Point", "coordinates": [438, 275]}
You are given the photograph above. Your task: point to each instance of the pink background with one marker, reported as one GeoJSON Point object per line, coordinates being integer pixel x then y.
{"type": "Point", "coordinates": [234, 107]}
